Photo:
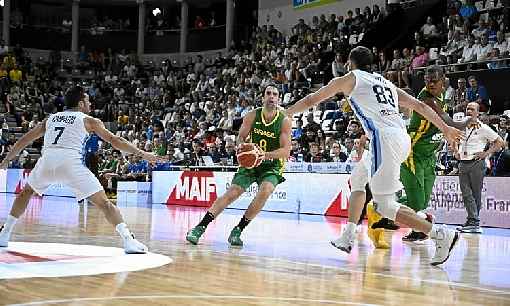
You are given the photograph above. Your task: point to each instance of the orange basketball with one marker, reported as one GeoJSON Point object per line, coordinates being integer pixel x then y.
{"type": "Point", "coordinates": [247, 155]}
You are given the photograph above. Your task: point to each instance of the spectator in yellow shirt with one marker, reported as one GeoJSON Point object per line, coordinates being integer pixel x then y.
{"type": "Point", "coordinates": [15, 74]}
{"type": "Point", "coordinates": [9, 61]}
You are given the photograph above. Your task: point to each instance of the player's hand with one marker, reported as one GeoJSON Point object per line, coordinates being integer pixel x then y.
{"type": "Point", "coordinates": [153, 158]}
{"type": "Point", "coordinates": [453, 135]}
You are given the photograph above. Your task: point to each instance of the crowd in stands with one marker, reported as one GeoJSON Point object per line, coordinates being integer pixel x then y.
{"type": "Point", "coordinates": [190, 112]}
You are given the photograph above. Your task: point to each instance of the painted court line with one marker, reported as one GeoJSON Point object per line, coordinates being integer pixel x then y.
{"type": "Point", "coordinates": [192, 297]}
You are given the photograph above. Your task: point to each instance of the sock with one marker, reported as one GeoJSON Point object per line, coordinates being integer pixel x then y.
{"type": "Point", "coordinates": [243, 223]}
{"type": "Point", "coordinates": [9, 223]}
{"type": "Point", "coordinates": [123, 230]}
{"type": "Point", "coordinates": [421, 214]}
{"type": "Point", "coordinates": [350, 228]}
{"type": "Point", "coordinates": [206, 219]}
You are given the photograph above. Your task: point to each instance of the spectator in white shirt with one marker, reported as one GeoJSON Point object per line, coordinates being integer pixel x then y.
{"type": "Point", "coordinates": [469, 52]}
{"type": "Point", "coordinates": [429, 30]}
{"type": "Point", "coordinates": [484, 50]}
{"type": "Point", "coordinates": [501, 43]}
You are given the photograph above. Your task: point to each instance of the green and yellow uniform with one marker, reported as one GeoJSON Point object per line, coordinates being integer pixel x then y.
{"type": "Point", "coordinates": [267, 136]}
{"type": "Point", "coordinates": [417, 173]}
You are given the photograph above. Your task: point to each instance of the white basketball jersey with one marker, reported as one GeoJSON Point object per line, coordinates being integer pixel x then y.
{"type": "Point", "coordinates": [374, 100]}
{"type": "Point", "coordinates": [66, 130]}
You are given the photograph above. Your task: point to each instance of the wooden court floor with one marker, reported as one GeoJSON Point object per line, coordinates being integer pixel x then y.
{"type": "Point", "coordinates": [286, 260]}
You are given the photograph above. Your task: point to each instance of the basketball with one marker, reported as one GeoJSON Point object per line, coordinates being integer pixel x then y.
{"type": "Point", "coordinates": [248, 155]}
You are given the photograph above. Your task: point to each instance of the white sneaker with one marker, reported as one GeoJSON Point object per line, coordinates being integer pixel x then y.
{"type": "Point", "coordinates": [4, 238]}
{"type": "Point", "coordinates": [445, 240]}
{"type": "Point", "coordinates": [344, 243]}
{"type": "Point", "coordinates": [133, 246]}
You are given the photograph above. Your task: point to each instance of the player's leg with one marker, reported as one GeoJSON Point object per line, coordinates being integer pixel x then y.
{"type": "Point", "coordinates": [385, 182]}
{"type": "Point", "coordinates": [39, 179]}
{"type": "Point", "coordinates": [418, 182]}
{"type": "Point", "coordinates": [114, 217]}
{"type": "Point", "coordinates": [18, 208]}
{"type": "Point", "coordinates": [359, 180]}
{"type": "Point", "coordinates": [266, 188]}
{"type": "Point", "coordinates": [232, 194]}
{"type": "Point", "coordinates": [241, 181]}
{"type": "Point", "coordinates": [86, 186]}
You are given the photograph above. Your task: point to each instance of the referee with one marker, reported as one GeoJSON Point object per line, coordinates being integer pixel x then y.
{"type": "Point", "coordinates": [472, 156]}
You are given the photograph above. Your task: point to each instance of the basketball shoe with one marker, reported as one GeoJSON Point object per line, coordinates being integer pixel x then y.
{"type": "Point", "coordinates": [345, 242]}
{"type": "Point", "coordinates": [376, 235]}
{"type": "Point", "coordinates": [445, 240]}
{"type": "Point", "coordinates": [195, 233]}
{"type": "Point", "coordinates": [133, 246]}
{"type": "Point", "coordinates": [235, 237]}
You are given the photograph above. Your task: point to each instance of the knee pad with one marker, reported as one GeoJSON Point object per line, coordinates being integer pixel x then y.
{"type": "Point", "coordinates": [386, 205]}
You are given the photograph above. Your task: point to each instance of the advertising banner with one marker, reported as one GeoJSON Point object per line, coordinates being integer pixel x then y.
{"type": "Point", "coordinates": [331, 167]}
{"type": "Point", "coordinates": [302, 4]}
{"type": "Point", "coordinates": [325, 194]}
{"type": "Point", "coordinates": [134, 192]}
{"type": "Point", "coordinates": [447, 205]}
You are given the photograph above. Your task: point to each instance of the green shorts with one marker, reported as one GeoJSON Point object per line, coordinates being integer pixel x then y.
{"type": "Point", "coordinates": [418, 177]}
{"type": "Point", "coordinates": [265, 172]}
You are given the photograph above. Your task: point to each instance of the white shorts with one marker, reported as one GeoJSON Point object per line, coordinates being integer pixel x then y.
{"type": "Point", "coordinates": [60, 166]}
{"type": "Point", "coordinates": [380, 167]}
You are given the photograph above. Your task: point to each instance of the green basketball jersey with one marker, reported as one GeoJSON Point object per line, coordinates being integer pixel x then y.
{"type": "Point", "coordinates": [267, 134]}
{"type": "Point", "coordinates": [423, 133]}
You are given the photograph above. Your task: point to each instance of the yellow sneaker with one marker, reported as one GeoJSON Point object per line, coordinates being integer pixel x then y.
{"type": "Point", "coordinates": [376, 235]}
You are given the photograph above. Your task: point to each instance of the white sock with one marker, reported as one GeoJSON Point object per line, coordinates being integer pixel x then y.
{"type": "Point", "coordinates": [421, 214]}
{"type": "Point", "coordinates": [123, 230]}
{"type": "Point", "coordinates": [350, 228]}
{"type": "Point", "coordinates": [9, 224]}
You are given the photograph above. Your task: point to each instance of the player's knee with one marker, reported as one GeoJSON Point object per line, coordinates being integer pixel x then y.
{"type": "Point", "coordinates": [386, 206]}
{"type": "Point", "coordinates": [266, 189]}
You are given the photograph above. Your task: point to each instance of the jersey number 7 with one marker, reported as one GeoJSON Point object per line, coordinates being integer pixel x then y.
{"type": "Point", "coordinates": [60, 131]}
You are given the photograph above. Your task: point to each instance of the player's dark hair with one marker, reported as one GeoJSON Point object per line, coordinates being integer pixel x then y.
{"type": "Point", "coordinates": [361, 57]}
{"type": "Point", "coordinates": [271, 85]}
{"type": "Point", "coordinates": [73, 96]}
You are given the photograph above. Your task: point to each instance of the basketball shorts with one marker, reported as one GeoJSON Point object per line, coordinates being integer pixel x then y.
{"type": "Point", "coordinates": [265, 172]}
{"type": "Point", "coordinates": [380, 167]}
{"type": "Point", "coordinates": [418, 178]}
{"type": "Point", "coordinates": [65, 167]}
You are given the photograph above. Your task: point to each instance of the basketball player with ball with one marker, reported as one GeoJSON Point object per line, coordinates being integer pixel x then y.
{"type": "Point", "coordinates": [263, 146]}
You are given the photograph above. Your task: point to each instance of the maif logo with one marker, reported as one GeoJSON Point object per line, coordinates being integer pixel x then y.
{"type": "Point", "coordinates": [28, 259]}
{"type": "Point", "coordinates": [194, 188]}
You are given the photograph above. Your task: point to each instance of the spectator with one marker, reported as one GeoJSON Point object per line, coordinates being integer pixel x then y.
{"type": "Point", "coordinates": [429, 30]}
{"type": "Point", "coordinates": [336, 153]}
{"type": "Point", "coordinates": [314, 156]}
{"type": "Point", "coordinates": [420, 59]}
{"type": "Point", "coordinates": [298, 131]}
{"type": "Point", "coordinates": [470, 51]}
{"type": "Point", "coordinates": [15, 75]}
{"type": "Point", "coordinates": [477, 93]}
{"type": "Point", "coordinates": [483, 52]}
{"type": "Point", "coordinates": [311, 124]}
{"type": "Point", "coordinates": [468, 9]}
{"type": "Point", "coordinates": [338, 66]}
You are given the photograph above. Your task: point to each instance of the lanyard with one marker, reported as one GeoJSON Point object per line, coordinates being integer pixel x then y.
{"type": "Point", "coordinates": [465, 143]}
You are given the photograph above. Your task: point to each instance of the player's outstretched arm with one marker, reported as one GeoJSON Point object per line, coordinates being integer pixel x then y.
{"type": "Point", "coordinates": [285, 144]}
{"type": "Point", "coordinates": [35, 133]}
{"type": "Point", "coordinates": [451, 134]}
{"type": "Point", "coordinates": [343, 84]}
{"type": "Point", "coordinates": [244, 130]}
{"type": "Point", "coordinates": [119, 143]}
{"type": "Point", "coordinates": [468, 121]}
